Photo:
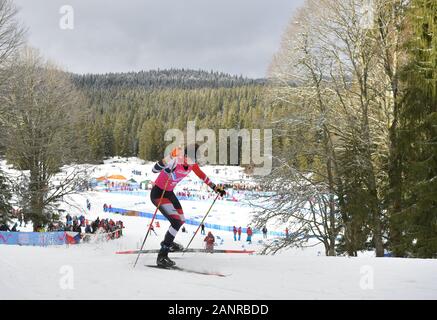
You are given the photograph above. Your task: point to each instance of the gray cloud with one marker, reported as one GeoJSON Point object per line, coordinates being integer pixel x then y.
{"type": "Point", "coordinates": [235, 36]}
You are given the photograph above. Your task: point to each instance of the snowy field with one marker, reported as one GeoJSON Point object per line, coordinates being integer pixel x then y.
{"type": "Point", "coordinates": [94, 271]}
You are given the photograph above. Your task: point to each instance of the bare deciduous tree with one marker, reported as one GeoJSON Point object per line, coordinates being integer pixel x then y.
{"type": "Point", "coordinates": [40, 108]}
{"type": "Point", "coordinates": [337, 73]}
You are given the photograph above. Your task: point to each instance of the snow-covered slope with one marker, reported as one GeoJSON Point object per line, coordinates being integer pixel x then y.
{"type": "Point", "coordinates": [97, 273]}
{"type": "Point", "coordinates": [94, 271]}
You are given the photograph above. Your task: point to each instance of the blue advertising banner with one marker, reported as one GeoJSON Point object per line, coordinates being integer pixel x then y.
{"type": "Point", "coordinates": [187, 221]}
{"type": "Point", "coordinates": [33, 238]}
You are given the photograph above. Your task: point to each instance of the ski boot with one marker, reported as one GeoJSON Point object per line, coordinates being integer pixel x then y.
{"type": "Point", "coordinates": [176, 247]}
{"type": "Point", "coordinates": [163, 261]}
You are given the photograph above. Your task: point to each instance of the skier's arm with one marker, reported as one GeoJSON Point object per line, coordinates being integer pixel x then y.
{"type": "Point", "coordinates": [202, 176]}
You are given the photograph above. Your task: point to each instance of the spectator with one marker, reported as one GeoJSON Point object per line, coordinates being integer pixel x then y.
{"type": "Point", "coordinates": [209, 239]}
{"type": "Point", "coordinates": [88, 228]}
{"type": "Point", "coordinates": [235, 233]}
{"type": "Point", "coordinates": [183, 229]}
{"type": "Point", "coordinates": [14, 228]}
{"type": "Point", "coordinates": [249, 235]}
{"type": "Point", "coordinates": [105, 207]}
{"type": "Point", "coordinates": [4, 227]}
{"type": "Point", "coordinates": [202, 231]}
{"type": "Point", "coordinates": [20, 218]}
{"type": "Point", "coordinates": [121, 226]}
{"type": "Point", "coordinates": [265, 232]}
{"type": "Point", "coordinates": [76, 227]}
{"type": "Point", "coordinates": [69, 219]}
{"type": "Point", "coordinates": [286, 232]}
{"type": "Point", "coordinates": [239, 233]}
{"type": "Point", "coordinates": [82, 221]}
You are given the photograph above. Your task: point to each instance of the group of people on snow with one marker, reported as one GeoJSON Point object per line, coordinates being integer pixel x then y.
{"type": "Point", "coordinates": [238, 232]}
{"type": "Point", "coordinates": [5, 227]}
{"type": "Point", "coordinates": [113, 229]}
{"type": "Point", "coordinates": [106, 207]}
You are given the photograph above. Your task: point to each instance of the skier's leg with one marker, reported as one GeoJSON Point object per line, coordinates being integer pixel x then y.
{"type": "Point", "coordinates": [172, 210]}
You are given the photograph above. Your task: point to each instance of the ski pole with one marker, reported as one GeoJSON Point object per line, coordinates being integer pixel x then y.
{"type": "Point", "coordinates": [201, 223]}
{"type": "Point", "coordinates": [153, 219]}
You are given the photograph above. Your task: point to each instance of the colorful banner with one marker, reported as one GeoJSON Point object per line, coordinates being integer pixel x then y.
{"type": "Point", "coordinates": [41, 239]}
{"type": "Point", "coordinates": [188, 221]}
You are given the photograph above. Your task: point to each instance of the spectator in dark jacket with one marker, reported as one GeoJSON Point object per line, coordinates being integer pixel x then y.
{"type": "Point", "coordinates": [69, 219]}
{"type": "Point", "coordinates": [76, 227]}
{"type": "Point", "coordinates": [265, 232]}
{"type": "Point", "coordinates": [88, 228]}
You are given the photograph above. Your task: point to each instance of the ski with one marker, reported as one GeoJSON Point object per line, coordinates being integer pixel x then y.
{"type": "Point", "coordinates": [205, 273]}
{"type": "Point", "coordinates": [188, 251]}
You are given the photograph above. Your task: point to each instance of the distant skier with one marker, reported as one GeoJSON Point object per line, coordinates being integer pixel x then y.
{"type": "Point", "coordinates": [173, 168]}
{"type": "Point", "coordinates": [209, 239]}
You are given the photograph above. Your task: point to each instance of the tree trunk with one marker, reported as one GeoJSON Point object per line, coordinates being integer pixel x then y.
{"type": "Point", "coordinates": [36, 206]}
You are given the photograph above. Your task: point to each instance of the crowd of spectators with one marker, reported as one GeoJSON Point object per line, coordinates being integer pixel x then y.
{"type": "Point", "coordinates": [108, 226]}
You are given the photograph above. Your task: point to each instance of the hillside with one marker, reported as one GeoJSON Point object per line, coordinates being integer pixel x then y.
{"type": "Point", "coordinates": [164, 79]}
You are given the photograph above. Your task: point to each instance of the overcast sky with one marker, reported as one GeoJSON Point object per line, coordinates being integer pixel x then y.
{"type": "Point", "coordinates": [234, 36]}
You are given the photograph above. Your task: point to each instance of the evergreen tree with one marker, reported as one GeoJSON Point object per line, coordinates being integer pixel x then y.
{"type": "Point", "coordinates": [418, 135]}
{"type": "Point", "coordinates": [5, 198]}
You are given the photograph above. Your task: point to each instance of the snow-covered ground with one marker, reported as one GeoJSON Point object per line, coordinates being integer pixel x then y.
{"type": "Point", "coordinates": [94, 271]}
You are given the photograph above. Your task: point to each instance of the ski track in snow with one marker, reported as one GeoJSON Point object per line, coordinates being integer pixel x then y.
{"type": "Point", "coordinates": [98, 273]}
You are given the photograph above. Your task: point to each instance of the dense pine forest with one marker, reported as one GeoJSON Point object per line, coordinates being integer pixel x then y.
{"type": "Point", "coordinates": [130, 112]}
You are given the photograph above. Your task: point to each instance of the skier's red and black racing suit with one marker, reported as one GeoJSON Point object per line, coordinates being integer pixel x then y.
{"type": "Point", "coordinates": [170, 206]}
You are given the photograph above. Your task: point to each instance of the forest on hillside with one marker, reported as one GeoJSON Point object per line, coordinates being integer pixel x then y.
{"type": "Point", "coordinates": [128, 120]}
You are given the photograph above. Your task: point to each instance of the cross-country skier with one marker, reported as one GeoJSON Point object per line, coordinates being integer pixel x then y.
{"type": "Point", "coordinates": [173, 168]}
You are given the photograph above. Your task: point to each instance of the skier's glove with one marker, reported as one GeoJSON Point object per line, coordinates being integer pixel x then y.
{"type": "Point", "coordinates": [218, 188]}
